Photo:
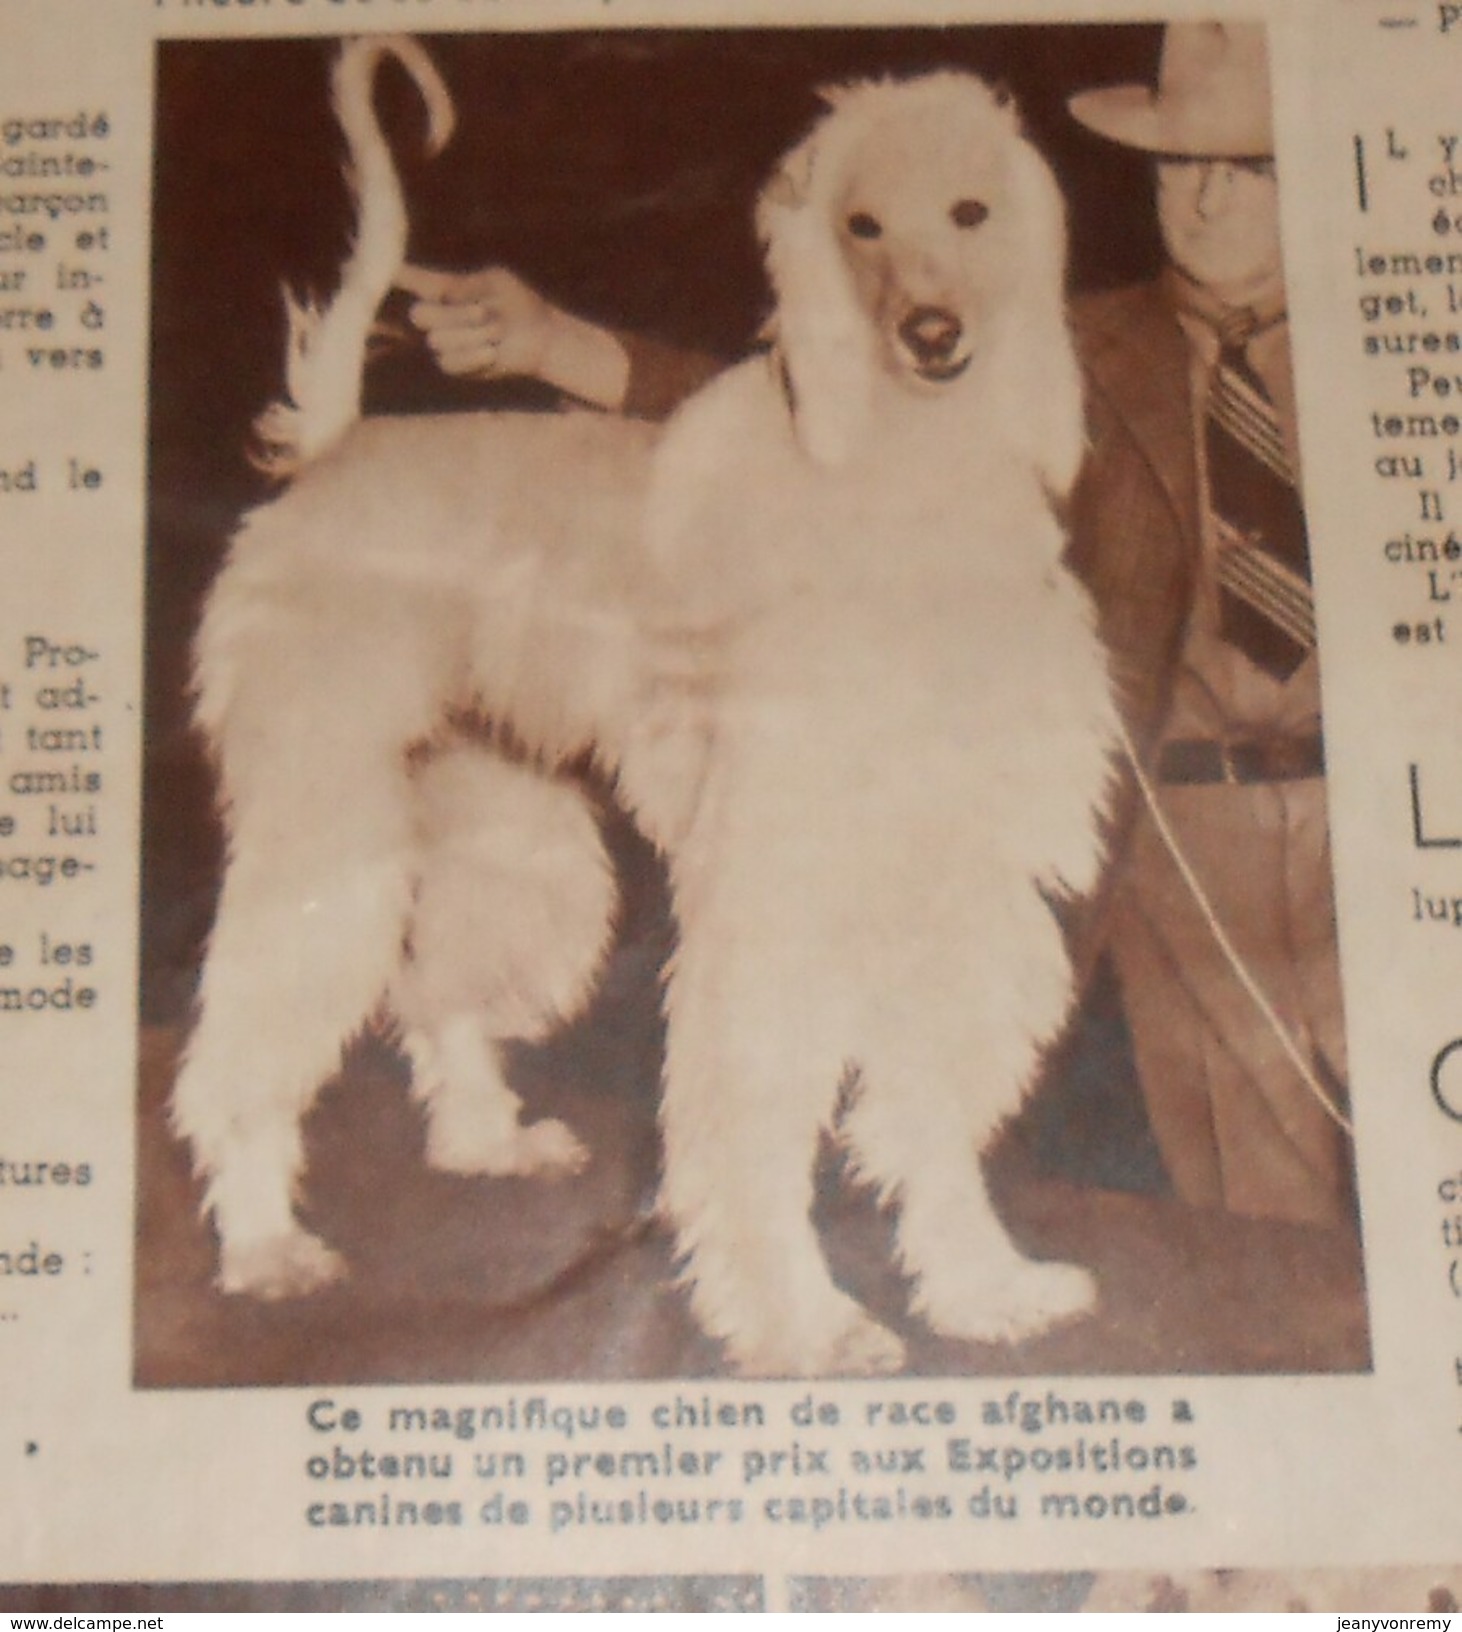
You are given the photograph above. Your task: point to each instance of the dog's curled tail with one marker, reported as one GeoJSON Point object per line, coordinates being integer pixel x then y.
{"type": "Point", "coordinates": [326, 343]}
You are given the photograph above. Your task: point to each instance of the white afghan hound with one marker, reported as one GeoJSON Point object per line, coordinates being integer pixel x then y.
{"type": "Point", "coordinates": [910, 727]}
{"type": "Point", "coordinates": [823, 632]}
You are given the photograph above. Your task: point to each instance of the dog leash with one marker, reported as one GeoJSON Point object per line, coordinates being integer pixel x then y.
{"type": "Point", "coordinates": [1230, 952]}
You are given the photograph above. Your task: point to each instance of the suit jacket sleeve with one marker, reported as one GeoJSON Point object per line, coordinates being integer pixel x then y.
{"type": "Point", "coordinates": [662, 376]}
{"type": "Point", "coordinates": [1134, 518]}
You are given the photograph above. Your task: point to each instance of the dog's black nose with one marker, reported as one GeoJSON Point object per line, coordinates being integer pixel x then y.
{"type": "Point", "coordinates": [931, 333]}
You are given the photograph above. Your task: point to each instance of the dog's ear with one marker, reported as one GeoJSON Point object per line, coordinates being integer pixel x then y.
{"type": "Point", "coordinates": [1037, 338]}
{"type": "Point", "coordinates": [1001, 94]}
{"type": "Point", "coordinates": [821, 332]}
{"type": "Point", "coordinates": [790, 184]}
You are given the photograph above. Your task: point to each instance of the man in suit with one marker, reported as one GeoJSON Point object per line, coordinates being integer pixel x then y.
{"type": "Point", "coordinates": [1188, 530]}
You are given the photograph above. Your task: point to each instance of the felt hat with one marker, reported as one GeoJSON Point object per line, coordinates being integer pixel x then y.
{"type": "Point", "coordinates": [1211, 100]}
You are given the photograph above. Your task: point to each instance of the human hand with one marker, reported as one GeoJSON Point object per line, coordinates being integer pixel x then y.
{"type": "Point", "coordinates": [482, 325]}
{"type": "Point", "coordinates": [490, 324]}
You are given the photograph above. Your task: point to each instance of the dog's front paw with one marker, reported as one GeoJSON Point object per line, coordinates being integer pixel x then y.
{"type": "Point", "coordinates": [1024, 1300]}
{"type": "Point", "coordinates": [290, 1265]}
{"type": "Point", "coordinates": [848, 1343]}
{"type": "Point", "coordinates": [543, 1149]}
{"type": "Point", "coordinates": [864, 1348]}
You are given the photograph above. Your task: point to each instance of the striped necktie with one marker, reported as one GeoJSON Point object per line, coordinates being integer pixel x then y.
{"type": "Point", "coordinates": [1265, 605]}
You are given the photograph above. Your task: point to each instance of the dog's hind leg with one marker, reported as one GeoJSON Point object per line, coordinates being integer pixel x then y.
{"type": "Point", "coordinates": [474, 1119]}
{"type": "Point", "coordinates": [751, 1081]}
{"type": "Point", "coordinates": [930, 1104]}
{"type": "Point", "coordinates": [513, 916]}
{"type": "Point", "coordinates": [310, 703]}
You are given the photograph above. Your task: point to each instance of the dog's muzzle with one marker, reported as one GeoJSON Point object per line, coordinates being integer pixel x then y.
{"type": "Point", "coordinates": [932, 337]}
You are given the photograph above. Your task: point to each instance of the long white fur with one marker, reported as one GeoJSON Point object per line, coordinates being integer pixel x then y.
{"type": "Point", "coordinates": [824, 633]}
{"type": "Point", "coordinates": [910, 741]}
{"type": "Point", "coordinates": [424, 565]}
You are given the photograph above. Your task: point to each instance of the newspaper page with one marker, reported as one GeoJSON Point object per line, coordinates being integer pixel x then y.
{"type": "Point", "coordinates": [678, 937]}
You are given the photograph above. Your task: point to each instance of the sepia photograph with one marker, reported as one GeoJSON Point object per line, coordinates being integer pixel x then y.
{"type": "Point", "coordinates": [734, 781]}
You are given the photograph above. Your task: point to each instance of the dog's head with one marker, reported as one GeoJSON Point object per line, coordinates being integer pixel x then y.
{"type": "Point", "coordinates": [915, 240]}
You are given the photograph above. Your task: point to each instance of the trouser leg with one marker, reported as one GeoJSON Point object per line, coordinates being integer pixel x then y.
{"type": "Point", "coordinates": [1237, 1124]}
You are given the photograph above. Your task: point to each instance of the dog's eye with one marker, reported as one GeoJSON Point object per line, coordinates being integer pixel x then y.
{"type": "Point", "coordinates": [969, 212]}
{"type": "Point", "coordinates": [863, 225]}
